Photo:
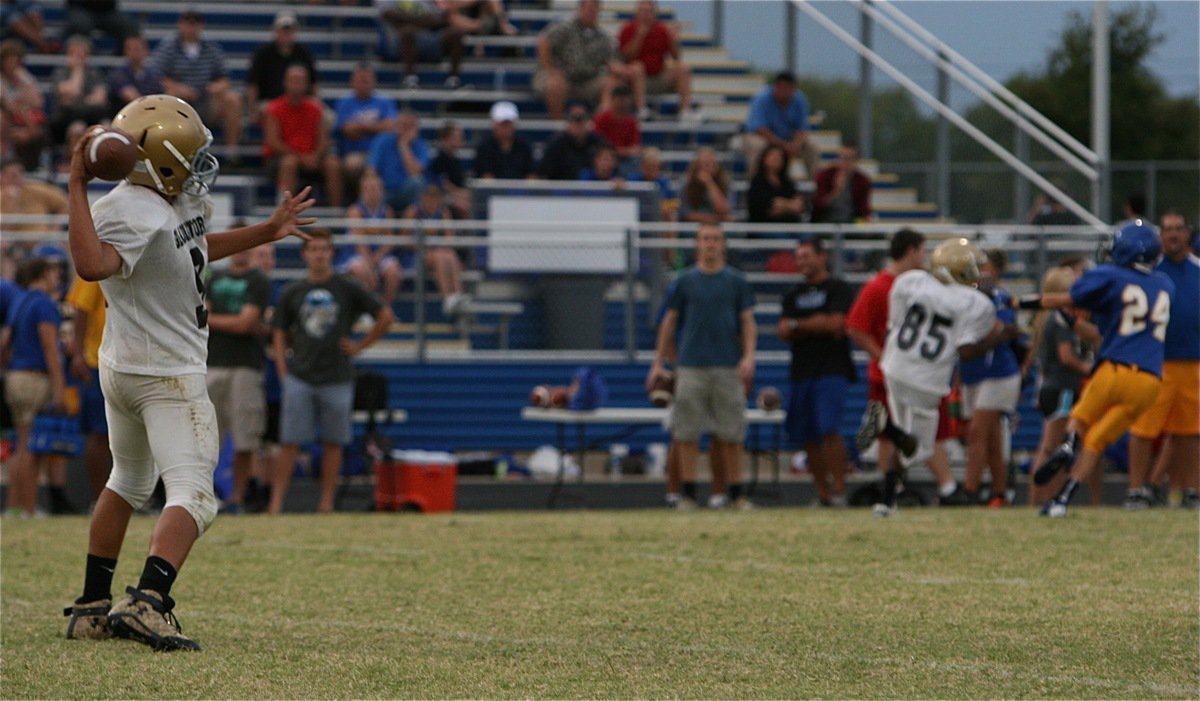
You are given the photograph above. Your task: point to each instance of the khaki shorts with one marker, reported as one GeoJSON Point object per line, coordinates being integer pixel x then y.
{"type": "Point", "coordinates": [27, 393]}
{"type": "Point", "coordinates": [659, 84]}
{"type": "Point", "coordinates": [237, 395]}
{"type": "Point", "coordinates": [586, 91]}
{"type": "Point", "coordinates": [704, 397]}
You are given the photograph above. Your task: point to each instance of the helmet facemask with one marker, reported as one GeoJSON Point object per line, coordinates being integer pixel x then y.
{"type": "Point", "coordinates": [204, 169]}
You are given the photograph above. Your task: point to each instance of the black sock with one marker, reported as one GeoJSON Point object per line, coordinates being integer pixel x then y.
{"type": "Point", "coordinates": [158, 575]}
{"type": "Point", "coordinates": [735, 491]}
{"type": "Point", "coordinates": [689, 490]}
{"type": "Point", "coordinates": [97, 579]}
{"type": "Point", "coordinates": [1067, 491]}
{"type": "Point", "coordinates": [891, 479]}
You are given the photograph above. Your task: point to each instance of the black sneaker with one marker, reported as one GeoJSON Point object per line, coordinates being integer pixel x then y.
{"type": "Point", "coordinates": [1054, 509]}
{"type": "Point", "coordinates": [1191, 500]}
{"type": "Point", "coordinates": [1138, 500]}
{"type": "Point", "coordinates": [1056, 463]}
{"type": "Point", "coordinates": [959, 497]}
{"type": "Point", "coordinates": [145, 616]}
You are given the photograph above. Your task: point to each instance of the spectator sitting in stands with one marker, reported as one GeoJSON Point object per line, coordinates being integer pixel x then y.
{"type": "Point", "coordinates": [503, 153]}
{"type": "Point", "coordinates": [706, 190]}
{"type": "Point", "coordinates": [779, 117]}
{"type": "Point", "coordinates": [79, 90]}
{"type": "Point", "coordinates": [1048, 211]}
{"type": "Point", "coordinates": [618, 126]}
{"type": "Point", "coordinates": [421, 30]}
{"type": "Point", "coordinates": [400, 157]}
{"type": "Point", "coordinates": [134, 78]}
{"type": "Point", "coordinates": [651, 172]}
{"type": "Point", "coordinates": [570, 150]}
{"type": "Point", "coordinates": [446, 171]}
{"type": "Point", "coordinates": [23, 132]}
{"type": "Point", "coordinates": [373, 262]}
{"type": "Point", "coordinates": [86, 16]}
{"type": "Point", "coordinates": [194, 71]}
{"type": "Point", "coordinates": [843, 191]}
{"type": "Point", "coordinates": [22, 20]}
{"type": "Point", "coordinates": [604, 168]}
{"type": "Point", "coordinates": [772, 196]}
{"type": "Point", "coordinates": [296, 139]}
{"type": "Point", "coordinates": [361, 116]}
{"type": "Point", "coordinates": [480, 17]}
{"type": "Point", "coordinates": [578, 60]}
{"type": "Point", "coordinates": [442, 261]}
{"type": "Point", "coordinates": [646, 41]}
{"type": "Point", "coordinates": [21, 196]}
{"type": "Point", "coordinates": [264, 80]}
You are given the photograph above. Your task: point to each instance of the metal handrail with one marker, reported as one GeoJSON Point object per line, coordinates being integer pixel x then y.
{"type": "Point", "coordinates": [952, 116]}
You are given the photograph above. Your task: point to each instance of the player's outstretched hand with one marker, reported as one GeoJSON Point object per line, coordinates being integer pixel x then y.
{"type": "Point", "coordinates": [79, 171]}
{"type": "Point", "coordinates": [286, 219]}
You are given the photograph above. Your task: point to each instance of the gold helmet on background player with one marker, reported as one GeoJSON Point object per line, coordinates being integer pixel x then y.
{"type": "Point", "coordinates": [172, 145]}
{"type": "Point", "coordinates": [956, 261]}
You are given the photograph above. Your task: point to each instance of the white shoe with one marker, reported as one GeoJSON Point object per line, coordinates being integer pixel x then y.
{"type": "Point", "coordinates": [718, 501]}
{"type": "Point", "coordinates": [690, 117]}
{"type": "Point", "coordinates": [742, 504]}
{"type": "Point", "coordinates": [411, 82]}
{"type": "Point", "coordinates": [883, 511]}
{"type": "Point", "coordinates": [453, 82]}
{"type": "Point", "coordinates": [450, 304]}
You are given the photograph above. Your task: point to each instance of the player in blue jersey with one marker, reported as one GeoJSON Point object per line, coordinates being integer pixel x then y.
{"type": "Point", "coordinates": [1176, 412]}
{"type": "Point", "coordinates": [1131, 304]}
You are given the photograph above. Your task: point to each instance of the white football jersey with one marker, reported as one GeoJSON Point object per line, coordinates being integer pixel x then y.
{"type": "Point", "coordinates": [927, 322]}
{"type": "Point", "coordinates": [157, 323]}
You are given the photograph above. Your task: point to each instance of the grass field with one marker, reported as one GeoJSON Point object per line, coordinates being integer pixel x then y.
{"type": "Point", "coordinates": [634, 604]}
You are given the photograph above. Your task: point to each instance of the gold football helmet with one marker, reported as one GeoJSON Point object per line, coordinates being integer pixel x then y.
{"type": "Point", "coordinates": [956, 261]}
{"type": "Point", "coordinates": [172, 145]}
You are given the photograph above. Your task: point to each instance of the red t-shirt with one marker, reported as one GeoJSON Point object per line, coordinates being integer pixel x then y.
{"type": "Point", "coordinates": [655, 47]}
{"type": "Point", "coordinates": [298, 124]}
{"type": "Point", "coordinates": [621, 132]}
{"type": "Point", "coordinates": [870, 315]}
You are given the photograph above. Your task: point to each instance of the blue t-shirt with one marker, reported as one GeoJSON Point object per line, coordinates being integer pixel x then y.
{"type": "Point", "coordinates": [349, 109]}
{"type": "Point", "coordinates": [385, 158]}
{"type": "Point", "coordinates": [1001, 361]}
{"type": "Point", "coordinates": [1132, 309]}
{"type": "Point", "coordinates": [34, 308]}
{"type": "Point", "coordinates": [782, 121]}
{"type": "Point", "coordinates": [10, 292]}
{"type": "Point", "coordinates": [711, 305]}
{"type": "Point", "coordinates": [1183, 330]}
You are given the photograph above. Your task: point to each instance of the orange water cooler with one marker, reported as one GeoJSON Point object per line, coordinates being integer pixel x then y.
{"type": "Point", "coordinates": [416, 481]}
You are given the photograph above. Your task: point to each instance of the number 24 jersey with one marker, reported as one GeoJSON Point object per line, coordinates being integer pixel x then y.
{"type": "Point", "coordinates": [927, 322]}
{"type": "Point", "coordinates": [1132, 309]}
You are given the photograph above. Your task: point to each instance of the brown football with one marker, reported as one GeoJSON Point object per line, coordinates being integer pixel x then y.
{"type": "Point", "coordinates": [558, 397]}
{"type": "Point", "coordinates": [539, 396]}
{"type": "Point", "coordinates": [662, 390]}
{"type": "Point", "coordinates": [110, 154]}
{"type": "Point", "coordinates": [769, 399]}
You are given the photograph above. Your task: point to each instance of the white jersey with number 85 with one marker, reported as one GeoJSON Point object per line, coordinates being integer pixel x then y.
{"type": "Point", "coordinates": [927, 322]}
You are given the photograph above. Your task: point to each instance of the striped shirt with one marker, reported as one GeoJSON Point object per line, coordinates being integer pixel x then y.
{"type": "Point", "coordinates": [197, 71]}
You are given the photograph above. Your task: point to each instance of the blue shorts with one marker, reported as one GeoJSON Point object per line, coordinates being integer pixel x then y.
{"type": "Point", "coordinates": [91, 406]}
{"type": "Point", "coordinates": [815, 408]}
{"type": "Point", "coordinates": [308, 409]}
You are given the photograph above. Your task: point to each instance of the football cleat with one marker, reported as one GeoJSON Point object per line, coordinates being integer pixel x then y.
{"type": "Point", "coordinates": [1138, 500]}
{"type": "Point", "coordinates": [874, 421]}
{"type": "Point", "coordinates": [89, 620]}
{"type": "Point", "coordinates": [1056, 463]}
{"type": "Point", "coordinates": [145, 616]}
{"type": "Point", "coordinates": [1053, 509]}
